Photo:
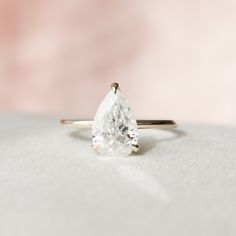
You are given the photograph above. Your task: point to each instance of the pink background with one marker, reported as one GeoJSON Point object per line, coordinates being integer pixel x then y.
{"type": "Point", "coordinates": [174, 59]}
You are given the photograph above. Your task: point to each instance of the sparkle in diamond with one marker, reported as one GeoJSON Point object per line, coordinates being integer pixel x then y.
{"type": "Point", "coordinates": [115, 129]}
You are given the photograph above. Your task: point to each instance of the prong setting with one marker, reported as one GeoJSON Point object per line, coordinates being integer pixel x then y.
{"type": "Point", "coordinates": [136, 148]}
{"type": "Point", "coordinates": [115, 130]}
{"type": "Point", "coordinates": [115, 87]}
{"type": "Point", "coordinates": [94, 147]}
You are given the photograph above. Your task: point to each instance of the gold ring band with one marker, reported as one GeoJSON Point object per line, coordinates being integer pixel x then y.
{"type": "Point", "coordinates": [142, 124]}
{"type": "Point", "coordinates": [114, 129]}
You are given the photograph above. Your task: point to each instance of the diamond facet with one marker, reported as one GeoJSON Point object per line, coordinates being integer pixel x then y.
{"type": "Point", "coordinates": [115, 131]}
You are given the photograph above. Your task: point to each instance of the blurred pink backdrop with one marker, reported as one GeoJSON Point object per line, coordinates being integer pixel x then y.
{"type": "Point", "coordinates": [174, 59]}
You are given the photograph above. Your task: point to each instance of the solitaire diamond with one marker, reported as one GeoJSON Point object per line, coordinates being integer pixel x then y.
{"type": "Point", "coordinates": [115, 131]}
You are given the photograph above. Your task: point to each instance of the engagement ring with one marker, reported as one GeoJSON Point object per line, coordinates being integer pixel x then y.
{"type": "Point", "coordinates": [114, 129]}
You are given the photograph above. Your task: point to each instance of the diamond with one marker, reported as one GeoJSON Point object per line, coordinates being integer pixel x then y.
{"type": "Point", "coordinates": [115, 131]}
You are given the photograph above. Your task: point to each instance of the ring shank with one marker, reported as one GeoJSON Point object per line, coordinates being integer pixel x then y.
{"type": "Point", "coordinates": [142, 124]}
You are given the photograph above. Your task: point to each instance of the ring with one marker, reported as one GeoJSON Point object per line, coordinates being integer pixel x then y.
{"type": "Point", "coordinates": [114, 129]}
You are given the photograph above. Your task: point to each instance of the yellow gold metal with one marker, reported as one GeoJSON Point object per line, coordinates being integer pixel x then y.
{"type": "Point", "coordinates": [142, 124]}
{"type": "Point", "coordinates": [136, 148]}
{"type": "Point", "coordinates": [115, 87]}
{"type": "Point", "coordinates": [94, 148]}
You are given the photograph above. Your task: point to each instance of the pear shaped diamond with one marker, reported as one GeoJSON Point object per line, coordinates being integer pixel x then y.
{"type": "Point", "coordinates": [115, 131]}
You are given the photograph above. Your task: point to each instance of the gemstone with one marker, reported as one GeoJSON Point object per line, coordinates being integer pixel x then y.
{"type": "Point", "coordinates": [115, 130]}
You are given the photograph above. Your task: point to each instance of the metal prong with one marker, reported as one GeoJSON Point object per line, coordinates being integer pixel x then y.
{"type": "Point", "coordinates": [136, 148]}
{"type": "Point", "coordinates": [94, 147]}
{"type": "Point", "coordinates": [115, 87]}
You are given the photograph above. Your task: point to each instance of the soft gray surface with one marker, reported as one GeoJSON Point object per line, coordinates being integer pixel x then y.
{"type": "Point", "coordinates": [51, 183]}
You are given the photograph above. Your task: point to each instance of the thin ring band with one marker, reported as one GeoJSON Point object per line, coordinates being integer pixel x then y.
{"type": "Point", "coordinates": [142, 124]}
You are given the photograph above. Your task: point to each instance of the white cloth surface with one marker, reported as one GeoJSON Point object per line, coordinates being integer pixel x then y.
{"type": "Point", "coordinates": [51, 182]}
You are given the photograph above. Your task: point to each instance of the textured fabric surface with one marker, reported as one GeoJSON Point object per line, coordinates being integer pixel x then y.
{"type": "Point", "coordinates": [51, 183]}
